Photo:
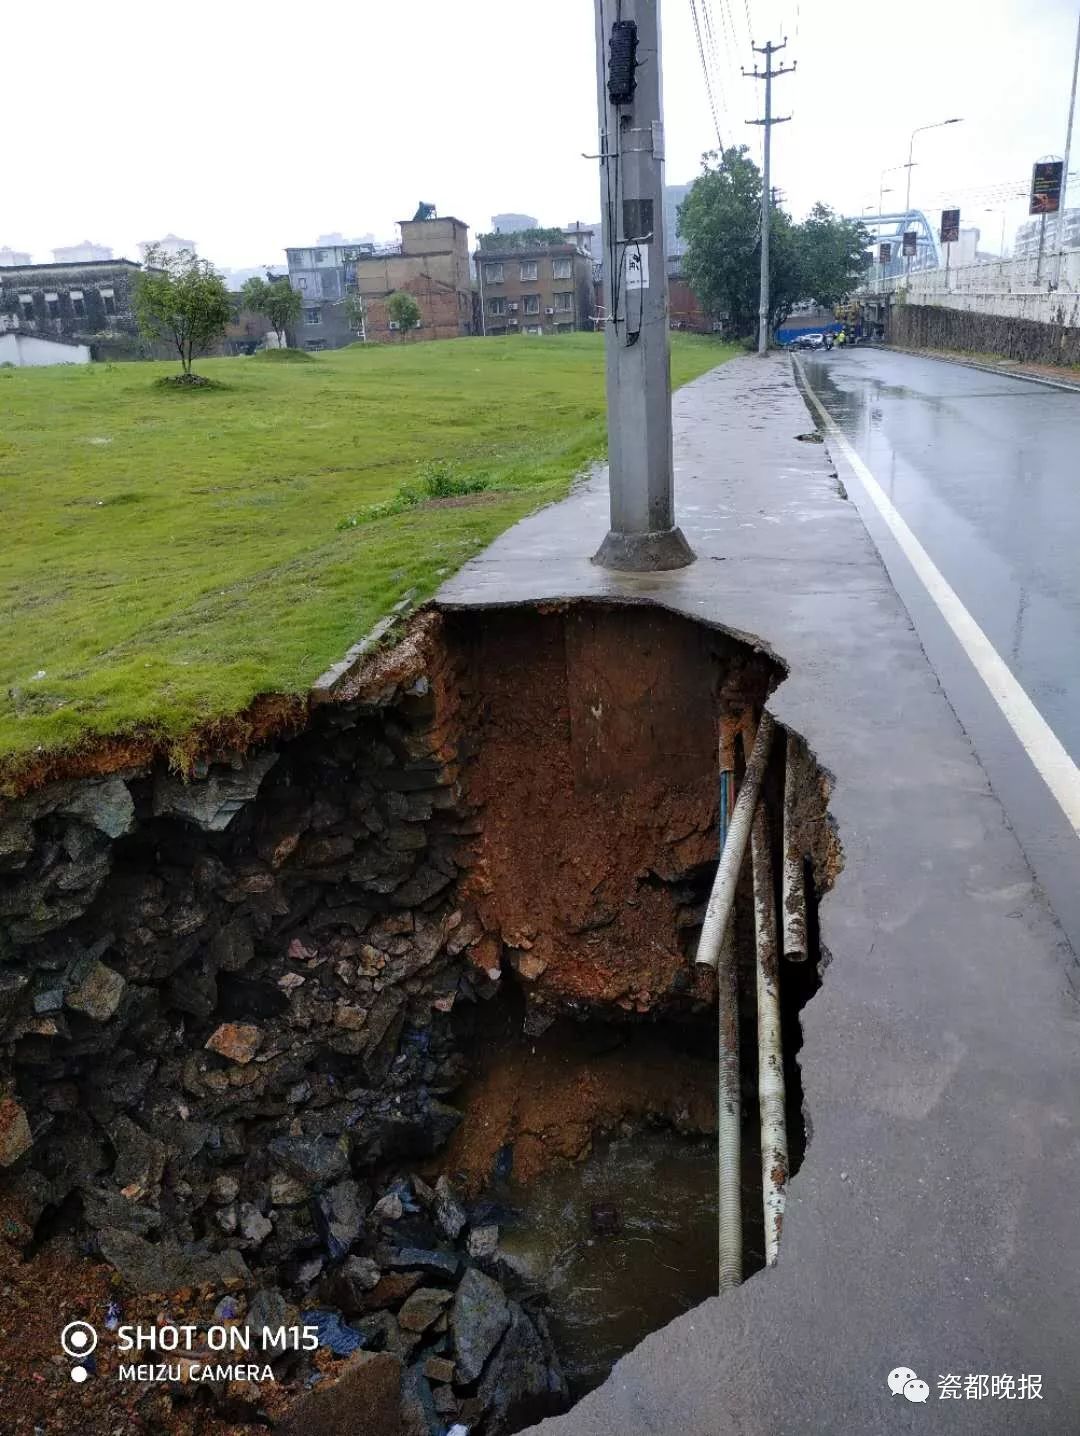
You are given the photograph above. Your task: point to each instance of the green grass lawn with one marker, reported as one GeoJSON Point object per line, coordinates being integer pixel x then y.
{"type": "Point", "coordinates": [168, 554]}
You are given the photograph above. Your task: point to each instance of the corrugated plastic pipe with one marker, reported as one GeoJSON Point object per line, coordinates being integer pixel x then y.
{"type": "Point", "coordinates": [793, 897]}
{"type": "Point", "coordinates": [771, 1095]}
{"type": "Point", "coordinates": [714, 951]}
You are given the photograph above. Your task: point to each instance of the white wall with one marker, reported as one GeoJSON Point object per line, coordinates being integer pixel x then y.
{"type": "Point", "coordinates": [28, 351]}
{"type": "Point", "coordinates": [1014, 288]}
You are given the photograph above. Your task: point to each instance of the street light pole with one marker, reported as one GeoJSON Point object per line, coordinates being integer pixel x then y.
{"type": "Point", "coordinates": [911, 150]}
{"type": "Point", "coordinates": [911, 162]}
{"type": "Point", "coordinates": [882, 191]}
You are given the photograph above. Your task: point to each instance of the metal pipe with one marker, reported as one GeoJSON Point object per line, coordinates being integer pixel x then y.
{"type": "Point", "coordinates": [729, 1095]}
{"type": "Point", "coordinates": [722, 897]}
{"type": "Point", "coordinates": [793, 897]}
{"type": "Point", "coordinates": [729, 1121]}
{"type": "Point", "coordinates": [771, 1095]}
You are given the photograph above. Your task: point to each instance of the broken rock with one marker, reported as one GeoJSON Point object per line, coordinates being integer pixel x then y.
{"type": "Point", "coordinates": [238, 1041]}
{"type": "Point", "coordinates": [364, 1398]}
{"type": "Point", "coordinates": [212, 802]}
{"type": "Point", "coordinates": [15, 1137]}
{"type": "Point", "coordinates": [480, 1317]}
{"type": "Point", "coordinates": [94, 989]}
{"type": "Point", "coordinates": [423, 1308]}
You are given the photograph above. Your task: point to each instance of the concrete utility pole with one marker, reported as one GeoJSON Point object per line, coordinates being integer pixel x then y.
{"type": "Point", "coordinates": [643, 535]}
{"type": "Point", "coordinates": [768, 75]}
{"type": "Point", "coordinates": [1068, 154]}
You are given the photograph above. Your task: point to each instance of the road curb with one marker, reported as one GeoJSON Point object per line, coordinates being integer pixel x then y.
{"type": "Point", "coordinates": [985, 368]}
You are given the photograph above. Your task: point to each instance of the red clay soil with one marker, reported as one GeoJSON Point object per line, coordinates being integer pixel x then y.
{"type": "Point", "coordinates": [39, 1296]}
{"type": "Point", "coordinates": [551, 1098]}
{"type": "Point", "coordinates": [593, 767]}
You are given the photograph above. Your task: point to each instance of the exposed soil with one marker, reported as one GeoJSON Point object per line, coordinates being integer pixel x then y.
{"type": "Point", "coordinates": [543, 1103]}
{"type": "Point", "coordinates": [39, 1296]}
{"type": "Point", "coordinates": [593, 766]}
{"type": "Point", "coordinates": [469, 843]}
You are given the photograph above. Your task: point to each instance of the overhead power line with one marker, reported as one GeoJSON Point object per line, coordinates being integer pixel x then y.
{"type": "Point", "coordinates": [705, 73]}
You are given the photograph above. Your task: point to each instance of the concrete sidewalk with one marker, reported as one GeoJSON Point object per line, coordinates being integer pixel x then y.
{"type": "Point", "coordinates": [932, 1224]}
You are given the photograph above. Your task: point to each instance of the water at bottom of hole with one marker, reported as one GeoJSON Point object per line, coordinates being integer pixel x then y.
{"type": "Point", "coordinates": [608, 1291]}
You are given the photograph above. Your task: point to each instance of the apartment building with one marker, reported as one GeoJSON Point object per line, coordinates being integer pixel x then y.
{"type": "Point", "coordinates": [431, 263]}
{"type": "Point", "coordinates": [533, 289]}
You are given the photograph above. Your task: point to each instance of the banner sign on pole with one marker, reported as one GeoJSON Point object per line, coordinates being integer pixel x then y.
{"type": "Point", "coordinates": [1046, 187]}
{"type": "Point", "coordinates": [884, 253]}
{"type": "Point", "coordinates": [950, 226]}
{"type": "Point", "coordinates": [911, 243]}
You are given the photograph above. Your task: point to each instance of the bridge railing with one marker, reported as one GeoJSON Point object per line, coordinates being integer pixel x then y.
{"type": "Point", "coordinates": [1021, 288]}
{"type": "Point", "coordinates": [1059, 271]}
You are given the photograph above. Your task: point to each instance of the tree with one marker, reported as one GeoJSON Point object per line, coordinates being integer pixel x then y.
{"type": "Point", "coordinates": [720, 219]}
{"type": "Point", "coordinates": [277, 300]}
{"type": "Point", "coordinates": [355, 312]}
{"type": "Point", "coordinates": [403, 311]}
{"type": "Point", "coordinates": [182, 298]}
{"type": "Point", "coordinates": [540, 238]}
{"type": "Point", "coordinates": [831, 256]}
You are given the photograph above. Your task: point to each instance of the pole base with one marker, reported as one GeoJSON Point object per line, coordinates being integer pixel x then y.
{"type": "Point", "coordinates": [645, 553]}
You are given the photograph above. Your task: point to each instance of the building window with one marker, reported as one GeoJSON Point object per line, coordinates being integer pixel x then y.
{"type": "Point", "coordinates": [562, 268]}
{"type": "Point", "coordinates": [564, 302]}
{"type": "Point", "coordinates": [52, 306]}
{"type": "Point", "coordinates": [531, 303]}
{"type": "Point", "coordinates": [108, 300]}
{"type": "Point", "coordinates": [311, 316]}
{"type": "Point", "coordinates": [26, 304]}
{"type": "Point", "coordinates": [318, 255]}
{"type": "Point", "coordinates": [493, 274]}
{"type": "Point", "coordinates": [78, 308]}
{"type": "Point", "coordinates": [529, 269]}
{"type": "Point", "coordinates": [497, 306]}
{"type": "Point", "coordinates": [302, 282]}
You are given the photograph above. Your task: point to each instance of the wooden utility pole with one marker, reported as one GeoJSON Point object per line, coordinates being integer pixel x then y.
{"type": "Point", "coordinates": [768, 75]}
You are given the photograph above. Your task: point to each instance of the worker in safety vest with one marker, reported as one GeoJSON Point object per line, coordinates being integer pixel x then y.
{"type": "Point", "coordinates": [841, 338]}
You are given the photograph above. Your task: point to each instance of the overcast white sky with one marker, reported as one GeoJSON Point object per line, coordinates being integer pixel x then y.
{"type": "Point", "coordinates": [251, 126]}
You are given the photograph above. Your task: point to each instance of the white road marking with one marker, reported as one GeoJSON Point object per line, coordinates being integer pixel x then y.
{"type": "Point", "coordinates": [1040, 742]}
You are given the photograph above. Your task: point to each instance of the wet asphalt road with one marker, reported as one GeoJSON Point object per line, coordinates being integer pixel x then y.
{"type": "Point", "coordinates": [985, 469]}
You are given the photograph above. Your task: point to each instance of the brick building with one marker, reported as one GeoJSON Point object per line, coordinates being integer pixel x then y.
{"type": "Point", "coordinates": [431, 263]}
{"type": "Point", "coordinates": [535, 289]}
{"type": "Point", "coordinates": [684, 308]}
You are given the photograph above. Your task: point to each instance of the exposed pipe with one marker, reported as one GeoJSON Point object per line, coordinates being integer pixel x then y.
{"type": "Point", "coordinates": [729, 1120]}
{"type": "Point", "coordinates": [729, 1096]}
{"type": "Point", "coordinates": [771, 1096]}
{"type": "Point", "coordinates": [722, 897]}
{"type": "Point", "coordinates": [714, 951]}
{"type": "Point", "coordinates": [793, 901]}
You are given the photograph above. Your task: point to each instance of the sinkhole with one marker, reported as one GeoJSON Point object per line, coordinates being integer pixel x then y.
{"type": "Point", "coordinates": [392, 1022]}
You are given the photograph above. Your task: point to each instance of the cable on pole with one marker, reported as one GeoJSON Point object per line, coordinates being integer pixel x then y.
{"type": "Point", "coordinates": [705, 72]}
